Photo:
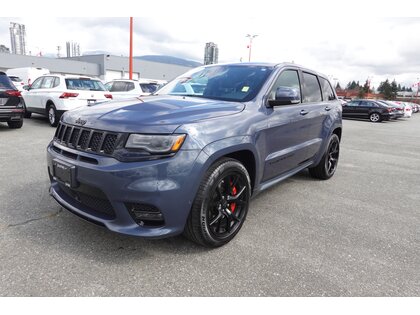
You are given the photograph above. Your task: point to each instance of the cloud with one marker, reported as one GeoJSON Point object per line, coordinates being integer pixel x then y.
{"type": "Point", "coordinates": [349, 48]}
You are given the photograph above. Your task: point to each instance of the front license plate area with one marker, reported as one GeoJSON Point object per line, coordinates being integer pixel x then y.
{"type": "Point", "coordinates": [65, 173]}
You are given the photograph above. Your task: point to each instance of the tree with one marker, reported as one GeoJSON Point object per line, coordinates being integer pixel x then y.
{"type": "Point", "coordinates": [338, 87]}
{"type": "Point", "coordinates": [389, 90]}
{"type": "Point", "coordinates": [366, 88]}
{"type": "Point", "coordinates": [394, 90]}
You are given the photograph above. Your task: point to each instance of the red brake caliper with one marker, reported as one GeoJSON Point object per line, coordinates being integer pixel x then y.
{"type": "Point", "coordinates": [233, 204]}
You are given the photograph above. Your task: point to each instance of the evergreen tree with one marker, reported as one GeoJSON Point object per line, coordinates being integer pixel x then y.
{"type": "Point", "coordinates": [338, 87]}
{"type": "Point", "coordinates": [365, 88]}
{"type": "Point", "coordinates": [385, 89]}
{"type": "Point", "coordinates": [394, 89]}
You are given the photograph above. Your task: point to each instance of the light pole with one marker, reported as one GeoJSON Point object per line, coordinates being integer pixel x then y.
{"type": "Point", "coordinates": [417, 95]}
{"type": "Point", "coordinates": [130, 65]}
{"type": "Point", "coordinates": [251, 37]}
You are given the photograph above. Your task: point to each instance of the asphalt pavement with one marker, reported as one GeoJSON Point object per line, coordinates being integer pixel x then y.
{"type": "Point", "coordinates": [357, 234]}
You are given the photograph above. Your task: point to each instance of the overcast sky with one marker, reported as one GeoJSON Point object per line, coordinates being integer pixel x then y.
{"type": "Point", "coordinates": [345, 44]}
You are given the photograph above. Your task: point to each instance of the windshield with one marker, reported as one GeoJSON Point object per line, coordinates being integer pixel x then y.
{"type": "Point", "coordinates": [85, 84]}
{"type": "Point", "coordinates": [239, 83]}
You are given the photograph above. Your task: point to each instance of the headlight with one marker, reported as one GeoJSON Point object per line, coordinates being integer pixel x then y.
{"type": "Point", "coordinates": [155, 143]}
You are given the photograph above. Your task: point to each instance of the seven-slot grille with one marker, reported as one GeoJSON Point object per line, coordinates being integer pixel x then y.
{"type": "Point", "coordinates": [86, 139]}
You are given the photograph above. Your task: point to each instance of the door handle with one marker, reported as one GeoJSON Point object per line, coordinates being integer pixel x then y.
{"type": "Point", "coordinates": [327, 108]}
{"type": "Point", "coordinates": [303, 112]}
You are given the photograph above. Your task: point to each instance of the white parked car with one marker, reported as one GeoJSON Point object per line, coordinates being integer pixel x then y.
{"type": "Point", "coordinates": [407, 109]}
{"type": "Point", "coordinates": [52, 95]}
{"type": "Point", "coordinates": [124, 88]}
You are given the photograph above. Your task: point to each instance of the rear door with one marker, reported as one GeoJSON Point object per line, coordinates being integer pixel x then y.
{"type": "Point", "coordinates": [320, 108]}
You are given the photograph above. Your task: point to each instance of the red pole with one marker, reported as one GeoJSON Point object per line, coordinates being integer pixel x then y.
{"type": "Point", "coordinates": [131, 50]}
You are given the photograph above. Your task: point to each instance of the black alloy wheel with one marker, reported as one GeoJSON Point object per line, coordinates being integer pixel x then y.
{"type": "Point", "coordinates": [328, 164]}
{"type": "Point", "coordinates": [221, 204]}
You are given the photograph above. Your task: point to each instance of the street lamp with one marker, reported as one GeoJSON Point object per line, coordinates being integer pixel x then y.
{"type": "Point", "coordinates": [251, 37]}
{"type": "Point", "coordinates": [417, 95]}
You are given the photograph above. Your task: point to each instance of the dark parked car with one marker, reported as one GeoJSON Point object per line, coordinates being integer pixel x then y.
{"type": "Point", "coordinates": [370, 109]}
{"type": "Point", "coordinates": [172, 163]}
{"type": "Point", "coordinates": [11, 103]}
{"type": "Point", "coordinates": [398, 109]}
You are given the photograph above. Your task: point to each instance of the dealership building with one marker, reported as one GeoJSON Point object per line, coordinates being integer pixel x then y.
{"type": "Point", "coordinates": [102, 66]}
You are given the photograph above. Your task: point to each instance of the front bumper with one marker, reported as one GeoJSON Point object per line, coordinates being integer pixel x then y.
{"type": "Point", "coordinates": [105, 186]}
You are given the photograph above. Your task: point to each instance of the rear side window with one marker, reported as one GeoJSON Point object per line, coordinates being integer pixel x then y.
{"type": "Point", "coordinates": [84, 84]}
{"type": "Point", "coordinates": [311, 88]}
{"type": "Point", "coordinates": [5, 83]}
{"type": "Point", "coordinates": [56, 81]}
{"type": "Point", "coordinates": [327, 91]}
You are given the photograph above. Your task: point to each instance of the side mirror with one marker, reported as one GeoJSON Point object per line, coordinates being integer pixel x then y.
{"type": "Point", "coordinates": [26, 87]}
{"type": "Point", "coordinates": [285, 96]}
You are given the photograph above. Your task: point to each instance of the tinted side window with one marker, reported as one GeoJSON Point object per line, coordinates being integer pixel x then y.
{"type": "Point", "coordinates": [288, 78]}
{"type": "Point", "coordinates": [311, 90]}
{"type": "Point", "coordinates": [327, 91]}
{"type": "Point", "coordinates": [37, 83]}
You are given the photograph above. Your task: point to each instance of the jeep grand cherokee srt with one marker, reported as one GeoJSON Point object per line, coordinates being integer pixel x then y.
{"type": "Point", "coordinates": [189, 162]}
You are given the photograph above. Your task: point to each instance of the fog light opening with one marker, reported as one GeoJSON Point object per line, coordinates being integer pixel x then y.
{"type": "Point", "coordinates": [145, 215]}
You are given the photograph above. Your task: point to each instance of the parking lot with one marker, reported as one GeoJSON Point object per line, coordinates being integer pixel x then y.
{"type": "Point", "coordinates": [354, 235]}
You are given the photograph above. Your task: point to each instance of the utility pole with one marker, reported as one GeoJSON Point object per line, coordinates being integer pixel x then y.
{"type": "Point", "coordinates": [251, 37]}
{"type": "Point", "coordinates": [130, 68]}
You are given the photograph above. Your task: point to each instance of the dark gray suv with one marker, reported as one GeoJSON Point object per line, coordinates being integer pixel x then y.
{"type": "Point", "coordinates": [188, 158]}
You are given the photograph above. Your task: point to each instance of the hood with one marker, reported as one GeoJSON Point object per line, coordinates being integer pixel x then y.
{"type": "Point", "coordinates": [152, 114]}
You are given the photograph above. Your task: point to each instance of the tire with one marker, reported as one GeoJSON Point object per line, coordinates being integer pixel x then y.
{"type": "Point", "coordinates": [375, 117]}
{"type": "Point", "coordinates": [15, 124]}
{"type": "Point", "coordinates": [328, 164]}
{"type": "Point", "coordinates": [52, 115]}
{"type": "Point", "coordinates": [221, 204]}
